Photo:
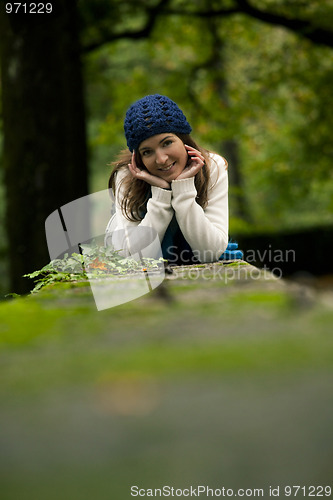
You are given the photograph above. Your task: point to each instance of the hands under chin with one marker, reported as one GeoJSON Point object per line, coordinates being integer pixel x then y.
{"type": "Point", "coordinates": [144, 175]}
{"type": "Point", "coordinates": [188, 172]}
{"type": "Point", "coordinates": [153, 180]}
{"type": "Point", "coordinates": [196, 162]}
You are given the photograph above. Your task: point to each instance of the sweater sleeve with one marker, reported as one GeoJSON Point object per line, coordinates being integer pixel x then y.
{"type": "Point", "coordinates": [158, 216]}
{"type": "Point", "coordinates": [205, 230]}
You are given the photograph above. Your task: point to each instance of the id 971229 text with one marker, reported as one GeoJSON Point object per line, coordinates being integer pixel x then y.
{"type": "Point", "coordinates": [28, 8]}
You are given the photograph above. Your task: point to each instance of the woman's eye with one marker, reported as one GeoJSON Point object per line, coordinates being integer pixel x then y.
{"type": "Point", "coordinates": [145, 153]}
{"type": "Point", "coordinates": [167, 143]}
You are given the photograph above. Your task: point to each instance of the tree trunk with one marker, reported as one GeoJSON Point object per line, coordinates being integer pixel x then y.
{"type": "Point", "coordinates": [238, 202]}
{"type": "Point", "coordinates": [45, 153]}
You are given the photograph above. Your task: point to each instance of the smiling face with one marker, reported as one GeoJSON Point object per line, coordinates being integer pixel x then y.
{"type": "Point", "coordinates": [164, 155]}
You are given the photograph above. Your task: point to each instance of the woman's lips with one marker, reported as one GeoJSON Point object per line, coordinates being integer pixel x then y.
{"type": "Point", "coordinates": [166, 169]}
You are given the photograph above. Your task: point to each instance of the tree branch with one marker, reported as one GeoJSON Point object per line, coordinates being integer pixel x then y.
{"type": "Point", "coordinates": [202, 13]}
{"type": "Point", "coordinates": [143, 32]}
{"type": "Point", "coordinates": [301, 27]}
{"type": "Point", "coordinates": [304, 28]}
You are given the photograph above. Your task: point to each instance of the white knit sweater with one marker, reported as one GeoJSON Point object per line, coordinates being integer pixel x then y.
{"type": "Point", "coordinates": [205, 230]}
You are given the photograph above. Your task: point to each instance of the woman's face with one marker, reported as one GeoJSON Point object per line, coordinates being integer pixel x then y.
{"type": "Point", "coordinates": [164, 155]}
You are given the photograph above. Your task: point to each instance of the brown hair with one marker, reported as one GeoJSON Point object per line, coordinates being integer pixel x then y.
{"type": "Point", "coordinates": [137, 191]}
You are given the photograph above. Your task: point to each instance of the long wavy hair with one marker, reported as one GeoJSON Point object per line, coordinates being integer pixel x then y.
{"type": "Point", "coordinates": [137, 192]}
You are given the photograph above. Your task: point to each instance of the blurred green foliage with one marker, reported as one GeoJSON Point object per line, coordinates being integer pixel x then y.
{"type": "Point", "coordinates": [265, 88]}
{"type": "Point", "coordinates": [276, 104]}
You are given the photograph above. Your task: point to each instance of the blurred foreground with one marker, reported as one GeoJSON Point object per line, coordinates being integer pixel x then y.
{"type": "Point", "coordinates": [215, 378]}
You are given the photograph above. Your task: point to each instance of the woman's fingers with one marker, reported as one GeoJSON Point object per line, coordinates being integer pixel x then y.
{"type": "Point", "coordinates": [195, 155]}
{"type": "Point", "coordinates": [133, 161]}
{"type": "Point", "coordinates": [190, 171]}
{"type": "Point", "coordinates": [132, 170]}
{"type": "Point", "coordinates": [197, 161]}
{"type": "Point", "coordinates": [133, 166]}
{"type": "Point", "coordinates": [143, 175]}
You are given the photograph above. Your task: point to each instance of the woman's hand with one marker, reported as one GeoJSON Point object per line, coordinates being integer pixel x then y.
{"type": "Point", "coordinates": [144, 175]}
{"type": "Point", "coordinates": [195, 163]}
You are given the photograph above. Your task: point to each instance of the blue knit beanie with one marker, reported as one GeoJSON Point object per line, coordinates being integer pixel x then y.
{"type": "Point", "coordinates": [151, 115]}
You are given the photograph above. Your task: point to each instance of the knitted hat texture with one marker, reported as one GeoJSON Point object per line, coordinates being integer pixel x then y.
{"type": "Point", "coordinates": [151, 115]}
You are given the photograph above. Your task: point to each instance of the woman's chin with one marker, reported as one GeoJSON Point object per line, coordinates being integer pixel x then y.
{"type": "Point", "coordinates": [172, 176]}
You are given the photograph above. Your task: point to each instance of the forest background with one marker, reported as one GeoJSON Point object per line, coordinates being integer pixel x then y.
{"type": "Point", "coordinates": [253, 78]}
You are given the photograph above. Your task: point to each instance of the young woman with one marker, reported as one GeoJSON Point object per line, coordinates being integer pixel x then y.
{"type": "Point", "coordinates": [165, 181]}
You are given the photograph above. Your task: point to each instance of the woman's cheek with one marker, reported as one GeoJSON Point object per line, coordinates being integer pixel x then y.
{"type": "Point", "coordinates": [187, 159]}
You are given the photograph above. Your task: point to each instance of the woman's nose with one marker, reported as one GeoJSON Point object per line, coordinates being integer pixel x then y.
{"type": "Point", "coordinates": [161, 157]}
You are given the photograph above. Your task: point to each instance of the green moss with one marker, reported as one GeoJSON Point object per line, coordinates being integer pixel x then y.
{"type": "Point", "coordinates": [182, 327]}
{"type": "Point", "coordinates": [236, 264]}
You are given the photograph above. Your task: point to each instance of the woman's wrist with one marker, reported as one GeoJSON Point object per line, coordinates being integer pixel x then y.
{"type": "Point", "coordinates": [183, 185]}
{"type": "Point", "coordinates": [161, 194]}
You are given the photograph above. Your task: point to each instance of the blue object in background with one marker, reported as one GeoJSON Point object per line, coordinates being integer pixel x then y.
{"type": "Point", "coordinates": [232, 252]}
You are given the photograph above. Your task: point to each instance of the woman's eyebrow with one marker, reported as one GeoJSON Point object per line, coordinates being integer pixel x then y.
{"type": "Point", "coordinates": [160, 142]}
{"type": "Point", "coordinates": [165, 138]}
